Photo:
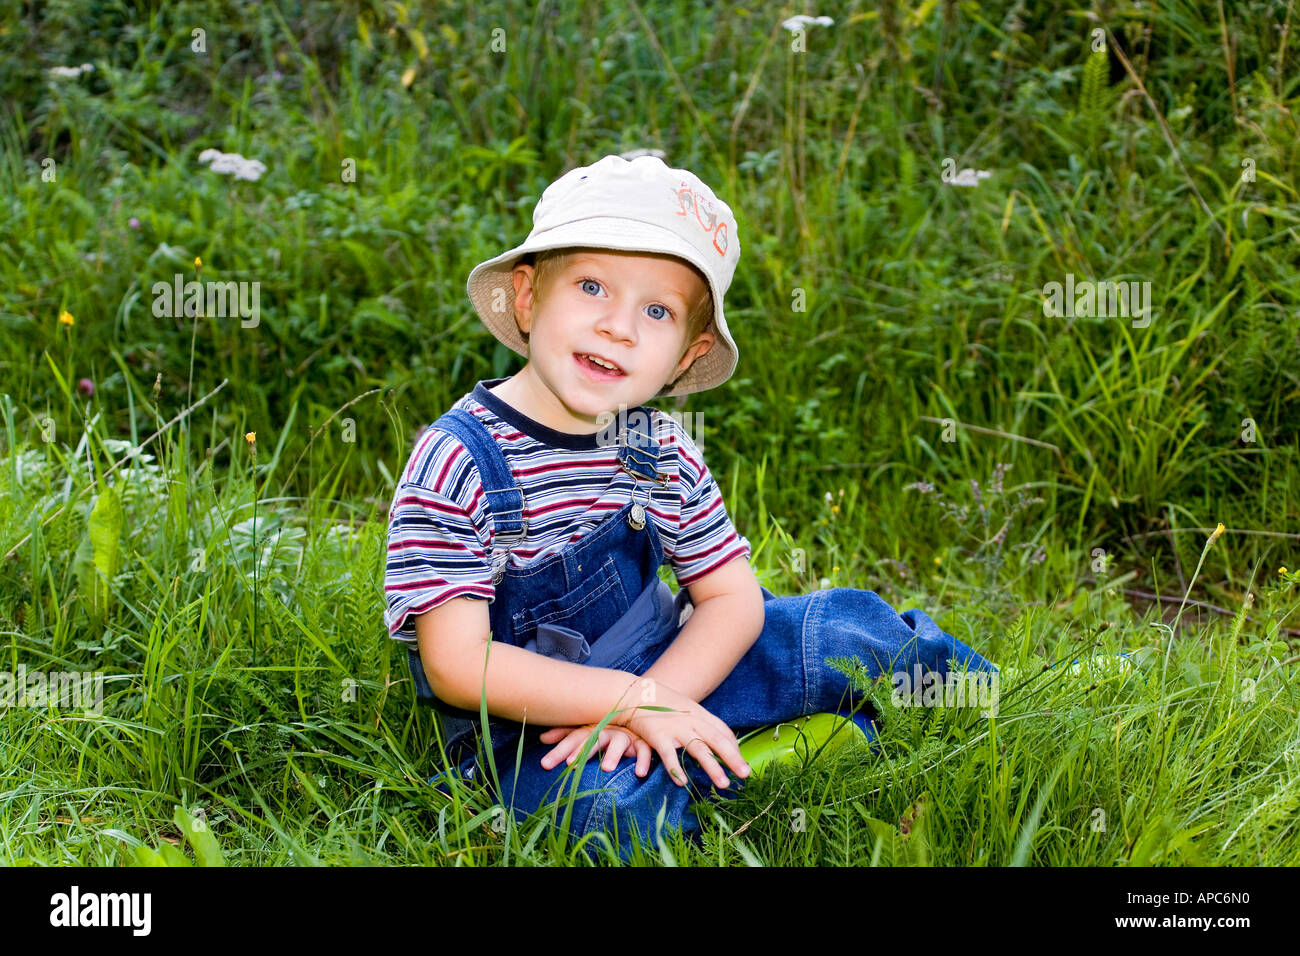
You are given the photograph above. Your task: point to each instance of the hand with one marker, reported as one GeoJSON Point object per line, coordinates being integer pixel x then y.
{"type": "Point", "coordinates": [617, 742]}
{"type": "Point", "coordinates": [689, 725]}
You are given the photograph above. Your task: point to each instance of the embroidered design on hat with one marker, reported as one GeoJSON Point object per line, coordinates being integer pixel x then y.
{"type": "Point", "coordinates": [685, 197]}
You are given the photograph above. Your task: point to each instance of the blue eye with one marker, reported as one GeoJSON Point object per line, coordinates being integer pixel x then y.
{"type": "Point", "coordinates": [666, 312]}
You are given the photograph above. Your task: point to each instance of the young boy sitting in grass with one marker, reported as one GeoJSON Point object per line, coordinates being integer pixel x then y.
{"type": "Point", "coordinates": [525, 542]}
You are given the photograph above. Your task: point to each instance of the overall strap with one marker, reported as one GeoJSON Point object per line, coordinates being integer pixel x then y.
{"type": "Point", "coordinates": [638, 452]}
{"type": "Point", "coordinates": [505, 499]}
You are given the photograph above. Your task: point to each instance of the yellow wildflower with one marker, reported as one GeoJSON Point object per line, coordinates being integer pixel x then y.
{"type": "Point", "coordinates": [198, 262]}
{"type": "Point", "coordinates": [65, 318]}
{"type": "Point", "coordinates": [1217, 531]}
{"type": "Point", "coordinates": [251, 438]}
{"type": "Point", "coordinates": [1282, 571]}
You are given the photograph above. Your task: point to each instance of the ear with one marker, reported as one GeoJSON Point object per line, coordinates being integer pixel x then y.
{"type": "Point", "coordinates": [523, 276]}
{"type": "Point", "coordinates": [703, 342]}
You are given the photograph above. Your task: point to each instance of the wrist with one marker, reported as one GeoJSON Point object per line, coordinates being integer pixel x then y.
{"type": "Point", "coordinates": [635, 694]}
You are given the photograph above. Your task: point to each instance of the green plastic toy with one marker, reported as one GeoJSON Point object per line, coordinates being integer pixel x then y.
{"type": "Point", "coordinates": [798, 740]}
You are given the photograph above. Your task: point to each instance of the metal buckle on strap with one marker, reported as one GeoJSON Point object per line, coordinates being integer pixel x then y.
{"type": "Point", "coordinates": [629, 450]}
{"type": "Point", "coordinates": [523, 521]}
{"type": "Point", "coordinates": [501, 556]}
{"type": "Point", "coordinates": [660, 478]}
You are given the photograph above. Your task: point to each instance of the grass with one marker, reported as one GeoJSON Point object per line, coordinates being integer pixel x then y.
{"type": "Point", "coordinates": [905, 417]}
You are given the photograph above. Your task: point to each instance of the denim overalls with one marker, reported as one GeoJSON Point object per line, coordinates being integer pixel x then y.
{"type": "Point", "coordinates": [600, 601]}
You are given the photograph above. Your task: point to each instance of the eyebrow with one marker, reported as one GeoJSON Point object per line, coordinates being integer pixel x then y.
{"type": "Point", "coordinates": [588, 261]}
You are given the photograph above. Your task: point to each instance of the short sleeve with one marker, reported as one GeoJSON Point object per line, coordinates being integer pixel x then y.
{"type": "Point", "coordinates": [706, 538]}
{"type": "Point", "coordinates": [434, 554]}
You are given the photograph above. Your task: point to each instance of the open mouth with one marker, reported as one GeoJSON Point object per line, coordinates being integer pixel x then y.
{"type": "Point", "coordinates": [597, 367]}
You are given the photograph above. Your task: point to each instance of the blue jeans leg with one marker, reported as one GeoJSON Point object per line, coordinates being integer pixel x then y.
{"type": "Point", "coordinates": [782, 677]}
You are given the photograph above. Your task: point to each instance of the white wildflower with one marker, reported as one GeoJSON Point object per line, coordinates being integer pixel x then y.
{"type": "Point", "coordinates": [233, 163]}
{"type": "Point", "coordinates": [969, 177]}
{"type": "Point", "coordinates": [795, 24]}
{"type": "Point", "coordinates": [71, 72]}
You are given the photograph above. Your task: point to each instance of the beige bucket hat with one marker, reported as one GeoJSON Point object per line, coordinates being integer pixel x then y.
{"type": "Point", "coordinates": [637, 205]}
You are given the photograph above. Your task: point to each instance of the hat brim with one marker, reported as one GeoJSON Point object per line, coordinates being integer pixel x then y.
{"type": "Point", "coordinates": [491, 288]}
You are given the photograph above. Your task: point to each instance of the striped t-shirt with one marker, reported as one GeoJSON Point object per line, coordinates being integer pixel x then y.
{"type": "Point", "coordinates": [440, 529]}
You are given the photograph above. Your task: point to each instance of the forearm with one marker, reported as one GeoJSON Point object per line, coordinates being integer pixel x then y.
{"type": "Point", "coordinates": [719, 632]}
{"type": "Point", "coordinates": [522, 685]}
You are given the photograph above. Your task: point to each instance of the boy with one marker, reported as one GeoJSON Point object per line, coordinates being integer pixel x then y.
{"type": "Point", "coordinates": [615, 297]}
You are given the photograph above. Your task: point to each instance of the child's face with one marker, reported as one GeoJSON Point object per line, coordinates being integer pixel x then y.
{"type": "Point", "coordinates": [627, 308]}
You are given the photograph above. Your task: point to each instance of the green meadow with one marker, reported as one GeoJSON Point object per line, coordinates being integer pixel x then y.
{"type": "Point", "coordinates": [193, 508]}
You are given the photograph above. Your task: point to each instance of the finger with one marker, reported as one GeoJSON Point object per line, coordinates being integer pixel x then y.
{"type": "Point", "coordinates": [568, 748]}
{"type": "Point", "coordinates": [618, 742]}
{"type": "Point", "coordinates": [555, 733]}
{"type": "Point", "coordinates": [673, 765]}
{"type": "Point", "coordinates": [578, 740]}
{"type": "Point", "coordinates": [729, 751]}
{"type": "Point", "coordinates": [643, 753]}
{"type": "Point", "coordinates": [724, 735]}
{"type": "Point", "coordinates": [727, 747]}
{"type": "Point", "coordinates": [564, 750]}
{"type": "Point", "coordinates": [553, 756]}
{"type": "Point", "coordinates": [722, 732]}
{"type": "Point", "coordinates": [699, 749]}
{"type": "Point", "coordinates": [607, 744]}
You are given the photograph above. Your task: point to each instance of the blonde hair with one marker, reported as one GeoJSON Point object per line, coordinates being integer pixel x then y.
{"type": "Point", "coordinates": [548, 263]}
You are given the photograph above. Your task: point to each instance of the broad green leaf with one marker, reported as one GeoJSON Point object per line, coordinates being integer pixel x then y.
{"type": "Point", "coordinates": [105, 528]}
{"type": "Point", "coordinates": [172, 855]}
{"type": "Point", "coordinates": [98, 556]}
{"type": "Point", "coordinates": [206, 849]}
{"type": "Point", "coordinates": [143, 856]}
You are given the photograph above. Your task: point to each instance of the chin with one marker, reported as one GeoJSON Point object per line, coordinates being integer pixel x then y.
{"type": "Point", "coordinates": [587, 404]}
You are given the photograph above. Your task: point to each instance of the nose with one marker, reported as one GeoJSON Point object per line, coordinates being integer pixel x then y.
{"type": "Point", "coordinates": [618, 322]}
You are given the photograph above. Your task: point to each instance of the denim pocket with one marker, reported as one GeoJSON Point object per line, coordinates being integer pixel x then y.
{"type": "Point", "coordinates": [591, 608]}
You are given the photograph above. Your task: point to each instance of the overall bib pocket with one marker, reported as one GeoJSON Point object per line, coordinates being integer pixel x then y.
{"type": "Point", "coordinates": [591, 608]}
